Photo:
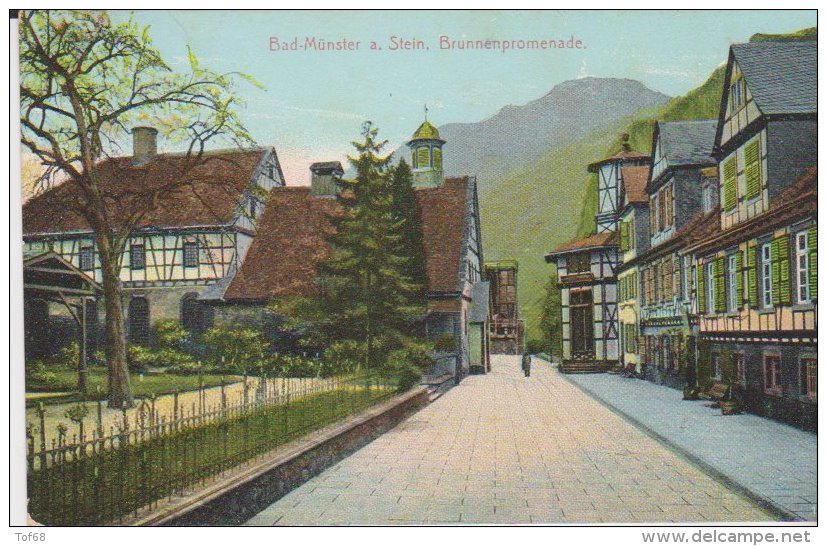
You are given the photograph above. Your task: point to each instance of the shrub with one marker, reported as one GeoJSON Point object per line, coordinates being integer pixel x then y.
{"type": "Point", "coordinates": [169, 334]}
{"type": "Point", "coordinates": [142, 358]}
{"type": "Point", "coordinates": [343, 357]}
{"type": "Point", "coordinates": [535, 346]}
{"type": "Point", "coordinates": [237, 350]}
{"type": "Point", "coordinates": [409, 376]}
{"type": "Point", "coordinates": [408, 364]}
{"type": "Point", "coordinates": [68, 356]}
{"type": "Point", "coordinates": [38, 371]}
{"type": "Point", "coordinates": [445, 344]}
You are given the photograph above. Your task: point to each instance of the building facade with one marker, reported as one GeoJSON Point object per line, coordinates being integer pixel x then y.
{"type": "Point", "coordinates": [634, 240]}
{"type": "Point", "coordinates": [195, 237]}
{"type": "Point", "coordinates": [681, 151]}
{"type": "Point", "coordinates": [507, 330]}
{"type": "Point", "coordinates": [587, 271]}
{"type": "Point", "coordinates": [293, 240]}
{"type": "Point", "coordinates": [757, 284]}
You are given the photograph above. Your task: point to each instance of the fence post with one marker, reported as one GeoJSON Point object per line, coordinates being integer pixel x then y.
{"type": "Point", "coordinates": [175, 410]}
{"type": "Point", "coordinates": [223, 400]}
{"type": "Point", "coordinates": [100, 410]}
{"type": "Point", "coordinates": [41, 413]}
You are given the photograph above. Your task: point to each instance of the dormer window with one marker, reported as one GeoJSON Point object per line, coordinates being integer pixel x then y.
{"type": "Point", "coordinates": [736, 95]}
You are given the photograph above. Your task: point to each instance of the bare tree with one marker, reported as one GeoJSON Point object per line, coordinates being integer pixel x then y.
{"type": "Point", "coordinates": [85, 81]}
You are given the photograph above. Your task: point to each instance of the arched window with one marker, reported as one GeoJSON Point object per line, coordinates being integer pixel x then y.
{"type": "Point", "coordinates": [196, 316]}
{"type": "Point", "coordinates": [139, 321]}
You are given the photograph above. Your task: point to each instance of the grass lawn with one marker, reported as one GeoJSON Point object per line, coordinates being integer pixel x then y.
{"type": "Point", "coordinates": [66, 381]}
{"type": "Point", "coordinates": [102, 485]}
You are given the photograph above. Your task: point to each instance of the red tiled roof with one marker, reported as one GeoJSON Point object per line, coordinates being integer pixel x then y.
{"type": "Point", "coordinates": [292, 236]}
{"type": "Point", "coordinates": [443, 211]}
{"type": "Point", "coordinates": [290, 243]}
{"type": "Point", "coordinates": [622, 154]}
{"type": "Point", "coordinates": [210, 196]}
{"type": "Point", "coordinates": [635, 178]}
{"type": "Point", "coordinates": [608, 238]}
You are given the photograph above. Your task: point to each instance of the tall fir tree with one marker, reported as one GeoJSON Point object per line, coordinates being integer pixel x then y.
{"type": "Point", "coordinates": [406, 213]}
{"type": "Point", "coordinates": [366, 298]}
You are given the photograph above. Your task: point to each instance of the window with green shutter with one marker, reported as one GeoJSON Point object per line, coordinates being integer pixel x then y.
{"type": "Point", "coordinates": [752, 168]}
{"type": "Point", "coordinates": [781, 271]}
{"type": "Point", "coordinates": [720, 286]}
{"type": "Point", "coordinates": [739, 280]}
{"type": "Point", "coordinates": [701, 290]}
{"type": "Point", "coordinates": [812, 243]}
{"type": "Point", "coordinates": [624, 236]}
{"type": "Point", "coordinates": [729, 185]}
{"type": "Point", "coordinates": [752, 282]}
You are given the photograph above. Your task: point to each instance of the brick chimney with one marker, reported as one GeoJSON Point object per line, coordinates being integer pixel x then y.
{"type": "Point", "coordinates": [144, 144]}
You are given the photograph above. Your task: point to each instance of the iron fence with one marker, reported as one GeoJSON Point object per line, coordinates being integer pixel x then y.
{"type": "Point", "coordinates": [99, 477]}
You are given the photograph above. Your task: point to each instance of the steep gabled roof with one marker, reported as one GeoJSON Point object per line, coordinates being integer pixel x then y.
{"type": "Point", "coordinates": [635, 178]}
{"type": "Point", "coordinates": [782, 76]}
{"type": "Point", "coordinates": [444, 212]}
{"type": "Point", "coordinates": [687, 142]}
{"type": "Point", "coordinates": [597, 240]}
{"type": "Point", "coordinates": [210, 195]}
{"type": "Point", "coordinates": [290, 243]}
{"type": "Point", "coordinates": [292, 240]}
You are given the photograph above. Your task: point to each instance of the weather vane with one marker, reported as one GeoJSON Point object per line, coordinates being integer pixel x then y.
{"type": "Point", "coordinates": [426, 112]}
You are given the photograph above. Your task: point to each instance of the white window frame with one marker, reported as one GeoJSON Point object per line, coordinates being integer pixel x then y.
{"type": "Point", "coordinates": [808, 389]}
{"type": "Point", "coordinates": [740, 368]}
{"type": "Point", "coordinates": [775, 388]}
{"type": "Point", "coordinates": [710, 286]}
{"type": "Point", "coordinates": [717, 370]}
{"type": "Point", "coordinates": [766, 276]}
{"type": "Point", "coordinates": [802, 268]}
{"type": "Point", "coordinates": [732, 283]}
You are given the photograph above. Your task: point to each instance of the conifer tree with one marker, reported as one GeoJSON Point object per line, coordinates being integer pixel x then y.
{"type": "Point", "coordinates": [366, 298]}
{"type": "Point", "coordinates": [410, 225]}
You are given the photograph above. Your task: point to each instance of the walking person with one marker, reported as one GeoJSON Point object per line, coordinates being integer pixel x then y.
{"type": "Point", "coordinates": [527, 364]}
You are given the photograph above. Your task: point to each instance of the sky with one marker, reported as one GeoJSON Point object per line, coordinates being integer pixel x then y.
{"type": "Point", "coordinates": [314, 102]}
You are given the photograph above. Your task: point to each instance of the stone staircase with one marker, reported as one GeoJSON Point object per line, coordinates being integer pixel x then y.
{"type": "Point", "coordinates": [585, 366]}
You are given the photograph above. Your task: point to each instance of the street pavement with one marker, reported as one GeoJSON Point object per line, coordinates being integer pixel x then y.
{"type": "Point", "coordinates": [773, 461]}
{"type": "Point", "coordinates": [505, 449]}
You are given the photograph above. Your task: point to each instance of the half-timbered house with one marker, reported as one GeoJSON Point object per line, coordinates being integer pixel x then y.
{"type": "Point", "coordinates": [190, 240]}
{"type": "Point", "coordinates": [293, 240]}
{"type": "Point", "coordinates": [634, 240]}
{"type": "Point", "coordinates": [757, 275]}
{"type": "Point", "coordinates": [507, 329]}
{"type": "Point", "coordinates": [587, 275]}
{"type": "Point", "coordinates": [681, 151]}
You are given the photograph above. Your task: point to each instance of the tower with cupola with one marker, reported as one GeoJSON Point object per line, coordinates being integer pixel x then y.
{"type": "Point", "coordinates": [426, 156]}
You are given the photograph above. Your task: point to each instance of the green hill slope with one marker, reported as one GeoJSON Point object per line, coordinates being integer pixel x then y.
{"type": "Point", "coordinates": [530, 211]}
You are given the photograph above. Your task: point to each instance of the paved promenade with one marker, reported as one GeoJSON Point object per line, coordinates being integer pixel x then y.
{"type": "Point", "coordinates": [771, 460]}
{"type": "Point", "coordinates": [502, 448]}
